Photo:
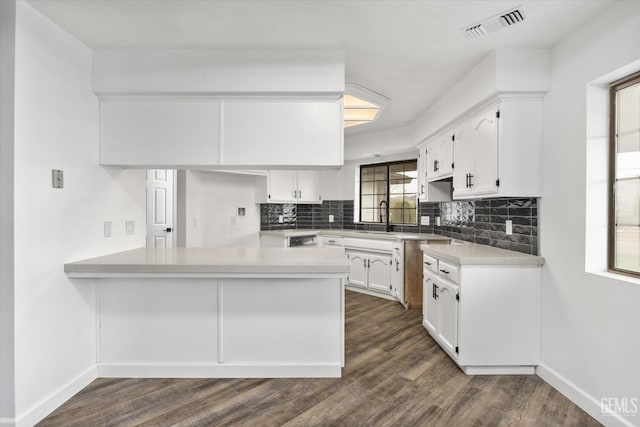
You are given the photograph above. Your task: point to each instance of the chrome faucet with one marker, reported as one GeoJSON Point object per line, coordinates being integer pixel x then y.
{"type": "Point", "coordinates": [388, 224]}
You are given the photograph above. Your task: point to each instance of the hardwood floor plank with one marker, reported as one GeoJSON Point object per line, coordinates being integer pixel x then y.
{"type": "Point", "coordinates": [395, 375]}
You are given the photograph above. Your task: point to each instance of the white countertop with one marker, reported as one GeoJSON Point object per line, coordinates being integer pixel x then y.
{"type": "Point", "coordinates": [214, 261]}
{"type": "Point", "coordinates": [473, 253]}
{"type": "Point", "coordinates": [379, 235]}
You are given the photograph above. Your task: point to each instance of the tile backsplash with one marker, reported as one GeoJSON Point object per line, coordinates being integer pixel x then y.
{"type": "Point", "coordinates": [480, 221]}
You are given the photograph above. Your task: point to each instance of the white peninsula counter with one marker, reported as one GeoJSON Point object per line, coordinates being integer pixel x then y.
{"type": "Point", "coordinates": [218, 312]}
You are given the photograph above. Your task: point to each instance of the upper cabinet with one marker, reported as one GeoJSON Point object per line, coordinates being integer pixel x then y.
{"type": "Point", "coordinates": [430, 191]}
{"type": "Point", "coordinates": [476, 173]}
{"type": "Point", "coordinates": [204, 132]}
{"type": "Point", "coordinates": [147, 132]}
{"type": "Point", "coordinates": [496, 150]}
{"type": "Point", "coordinates": [282, 132]}
{"type": "Point", "coordinates": [288, 186]}
{"type": "Point", "coordinates": [440, 157]}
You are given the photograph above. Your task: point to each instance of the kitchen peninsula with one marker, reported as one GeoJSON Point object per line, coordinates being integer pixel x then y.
{"type": "Point", "coordinates": [218, 312]}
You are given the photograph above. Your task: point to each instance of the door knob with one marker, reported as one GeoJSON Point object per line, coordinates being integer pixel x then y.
{"type": "Point", "coordinates": [168, 229]}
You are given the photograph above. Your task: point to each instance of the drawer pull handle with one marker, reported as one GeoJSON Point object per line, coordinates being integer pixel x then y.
{"type": "Point", "coordinates": [444, 271]}
{"type": "Point", "coordinates": [427, 263]}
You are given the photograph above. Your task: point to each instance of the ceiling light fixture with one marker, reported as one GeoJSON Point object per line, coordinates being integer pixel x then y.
{"type": "Point", "coordinates": [361, 105]}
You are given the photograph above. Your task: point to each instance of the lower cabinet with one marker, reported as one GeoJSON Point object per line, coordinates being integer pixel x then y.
{"type": "Point", "coordinates": [486, 317]}
{"type": "Point", "coordinates": [370, 271]}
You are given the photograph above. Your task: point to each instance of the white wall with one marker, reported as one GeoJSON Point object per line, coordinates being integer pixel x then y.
{"type": "Point", "coordinates": [7, 67]}
{"type": "Point", "coordinates": [56, 126]}
{"type": "Point", "coordinates": [591, 323]}
{"type": "Point", "coordinates": [211, 212]}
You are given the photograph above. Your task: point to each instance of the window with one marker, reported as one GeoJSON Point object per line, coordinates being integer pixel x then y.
{"type": "Point", "coordinates": [624, 173]}
{"type": "Point", "coordinates": [394, 183]}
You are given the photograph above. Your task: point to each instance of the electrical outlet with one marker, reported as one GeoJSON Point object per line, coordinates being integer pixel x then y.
{"type": "Point", "coordinates": [331, 218]}
{"type": "Point", "coordinates": [438, 221]}
{"type": "Point", "coordinates": [130, 227]}
{"type": "Point", "coordinates": [509, 225]}
{"type": "Point", "coordinates": [280, 219]}
{"type": "Point", "coordinates": [107, 229]}
{"type": "Point", "coordinates": [57, 178]}
{"type": "Point", "coordinates": [424, 220]}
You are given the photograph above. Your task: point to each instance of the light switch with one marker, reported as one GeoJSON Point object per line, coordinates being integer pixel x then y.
{"type": "Point", "coordinates": [438, 221]}
{"type": "Point", "coordinates": [509, 226]}
{"type": "Point", "coordinates": [57, 178]}
{"type": "Point", "coordinates": [331, 218]}
{"type": "Point", "coordinates": [130, 227]}
{"type": "Point", "coordinates": [280, 219]}
{"type": "Point", "coordinates": [424, 220]}
{"type": "Point", "coordinates": [107, 229]}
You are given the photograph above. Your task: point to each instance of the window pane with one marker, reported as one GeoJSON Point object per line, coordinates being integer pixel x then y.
{"type": "Point", "coordinates": [411, 186]}
{"type": "Point", "coordinates": [374, 187]}
{"type": "Point", "coordinates": [367, 174]}
{"type": "Point", "coordinates": [626, 197]}
{"type": "Point", "coordinates": [628, 202]}
{"type": "Point", "coordinates": [381, 173]}
{"type": "Point", "coordinates": [628, 248]}
{"type": "Point", "coordinates": [396, 186]}
{"type": "Point", "coordinates": [409, 216]}
{"type": "Point", "coordinates": [367, 215]}
{"type": "Point", "coordinates": [395, 216]}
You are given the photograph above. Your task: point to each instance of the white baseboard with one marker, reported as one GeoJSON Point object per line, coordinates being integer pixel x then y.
{"type": "Point", "coordinates": [218, 370]}
{"type": "Point", "coordinates": [47, 405]}
{"type": "Point", "coordinates": [580, 397]}
{"type": "Point", "coordinates": [499, 370]}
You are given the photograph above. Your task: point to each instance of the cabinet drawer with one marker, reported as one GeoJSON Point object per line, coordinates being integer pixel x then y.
{"type": "Point", "coordinates": [430, 263]}
{"type": "Point", "coordinates": [448, 271]}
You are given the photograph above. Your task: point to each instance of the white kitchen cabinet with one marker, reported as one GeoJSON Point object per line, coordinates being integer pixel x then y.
{"type": "Point", "coordinates": [486, 317]}
{"type": "Point", "coordinates": [397, 272]}
{"type": "Point", "coordinates": [288, 186]}
{"type": "Point", "coordinates": [358, 275]}
{"type": "Point", "coordinates": [380, 272]}
{"type": "Point", "coordinates": [476, 171]}
{"type": "Point", "coordinates": [159, 132]}
{"type": "Point", "coordinates": [283, 132]}
{"type": "Point", "coordinates": [218, 132]}
{"type": "Point", "coordinates": [440, 157]}
{"type": "Point", "coordinates": [438, 191]}
{"type": "Point", "coordinates": [497, 149]}
{"type": "Point", "coordinates": [371, 265]}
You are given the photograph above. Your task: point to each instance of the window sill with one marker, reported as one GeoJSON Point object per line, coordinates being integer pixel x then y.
{"type": "Point", "coordinates": [615, 276]}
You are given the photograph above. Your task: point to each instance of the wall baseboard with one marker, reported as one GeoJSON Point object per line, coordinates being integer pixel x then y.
{"type": "Point", "coordinates": [47, 405]}
{"type": "Point", "coordinates": [218, 370]}
{"type": "Point", "coordinates": [580, 397]}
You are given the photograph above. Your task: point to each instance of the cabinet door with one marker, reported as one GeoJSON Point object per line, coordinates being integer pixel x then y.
{"type": "Point", "coordinates": [380, 273]}
{"type": "Point", "coordinates": [397, 278]}
{"type": "Point", "coordinates": [282, 186]}
{"type": "Point", "coordinates": [445, 156]}
{"type": "Point", "coordinates": [484, 134]}
{"type": "Point", "coordinates": [463, 157]}
{"type": "Point", "coordinates": [283, 132]}
{"type": "Point", "coordinates": [422, 173]}
{"type": "Point", "coordinates": [448, 315]}
{"type": "Point", "coordinates": [159, 132]}
{"type": "Point", "coordinates": [309, 187]}
{"type": "Point", "coordinates": [433, 164]}
{"type": "Point", "coordinates": [430, 302]}
{"type": "Point", "coordinates": [358, 273]}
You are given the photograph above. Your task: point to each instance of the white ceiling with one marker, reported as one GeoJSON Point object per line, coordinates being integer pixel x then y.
{"type": "Point", "coordinates": [410, 51]}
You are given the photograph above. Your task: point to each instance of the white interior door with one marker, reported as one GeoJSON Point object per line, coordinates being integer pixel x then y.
{"type": "Point", "coordinates": [160, 221]}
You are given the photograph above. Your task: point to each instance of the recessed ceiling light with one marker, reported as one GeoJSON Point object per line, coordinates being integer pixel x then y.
{"type": "Point", "coordinates": [361, 105]}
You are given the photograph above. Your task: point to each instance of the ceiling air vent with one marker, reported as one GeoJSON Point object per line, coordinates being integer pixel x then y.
{"type": "Point", "coordinates": [493, 24]}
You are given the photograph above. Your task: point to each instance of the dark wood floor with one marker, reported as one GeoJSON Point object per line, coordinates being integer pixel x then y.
{"type": "Point", "coordinates": [395, 375]}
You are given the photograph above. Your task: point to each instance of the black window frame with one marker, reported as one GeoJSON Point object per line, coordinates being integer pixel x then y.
{"type": "Point", "coordinates": [388, 190]}
{"type": "Point", "coordinates": [614, 87]}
